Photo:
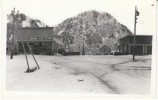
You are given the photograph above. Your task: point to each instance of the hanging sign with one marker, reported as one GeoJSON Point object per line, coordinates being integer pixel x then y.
{"type": "Point", "coordinates": [39, 38]}
{"type": "Point", "coordinates": [32, 38]}
{"type": "Point", "coordinates": [48, 38]}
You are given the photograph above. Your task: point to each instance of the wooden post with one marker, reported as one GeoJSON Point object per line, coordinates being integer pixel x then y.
{"type": "Point", "coordinates": [134, 35]}
{"type": "Point", "coordinates": [83, 48]}
{"type": "Point", "coordinates": [33, 55]}
{"type": "Point", "coordinates": [146, 49]}
{"type": "Point", "coordinates": [143, 50]}
{"type": "Point", "coordinates": [17, 47]}
{"type": "Point", "coordinates": [129, 49]}
{"type": "Point", "coordinates": [26, 57]}
{"type": "Point", "coordinates": [52, 48]}
{"type": "Point", "coordinates": [12, 47]}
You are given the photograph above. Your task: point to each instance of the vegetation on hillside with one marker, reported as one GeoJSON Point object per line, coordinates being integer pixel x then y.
{"type": "Point", "coordinates": [92, 29]}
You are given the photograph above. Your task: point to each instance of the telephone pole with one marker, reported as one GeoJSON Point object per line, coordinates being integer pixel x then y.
{"type": "Point", "coordinates": [83, 53]}
{"type": "Point", "coordinates": [13, 29]}
{"type": "Point", "coordinates": [134, 38]}
{"type": "Point", "coordinates": [83, 28]}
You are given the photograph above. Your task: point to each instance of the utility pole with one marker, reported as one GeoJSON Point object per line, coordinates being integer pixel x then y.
{"type": "Point", "coordinates": [83, 52]}
{"type": "Point", "coordinates": [12, 45]}
{"type": "Point", "coordinates": [134, 38]}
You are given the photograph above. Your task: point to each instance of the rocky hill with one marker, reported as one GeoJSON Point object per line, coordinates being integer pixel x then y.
{"type": "Point", "coordinates": [91, 30]}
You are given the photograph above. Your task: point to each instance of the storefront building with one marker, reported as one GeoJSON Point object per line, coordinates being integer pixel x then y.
{"type": "Point", "coordinates": [41, 40]}
{"type": "Point", "coordinates": [143, 44]}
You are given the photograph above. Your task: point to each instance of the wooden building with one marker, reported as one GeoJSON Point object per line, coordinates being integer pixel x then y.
{"type": "Point", "coordinates": [41, 40]}
{"type": "Point", "coordinates": [143, 44]}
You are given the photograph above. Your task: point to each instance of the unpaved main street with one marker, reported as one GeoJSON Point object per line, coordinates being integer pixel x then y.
{"type": "Point", "coordinates": [81, 74]}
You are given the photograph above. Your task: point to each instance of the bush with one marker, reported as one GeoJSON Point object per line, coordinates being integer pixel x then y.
{"type": "Point", "coordinates": [118, 53]}
{"type": "Point", "coordinates": [61, 51]}
{"type": "Point", "coordinates": [72, 53]}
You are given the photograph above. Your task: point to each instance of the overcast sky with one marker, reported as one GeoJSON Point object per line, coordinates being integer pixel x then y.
{"type": "Point", "coordinates": [53, 12]}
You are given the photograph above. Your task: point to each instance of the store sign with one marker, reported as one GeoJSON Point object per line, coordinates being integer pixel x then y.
{"type": "Point", "coordinates": [39, 38]}
{"type": "Point", "coordinates": [32, 38]}
{"type": "Point", "coordinates": [48, 38]}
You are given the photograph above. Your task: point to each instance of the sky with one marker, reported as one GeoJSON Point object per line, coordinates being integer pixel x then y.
{"type": "Point", "coordinates": [53, 12]}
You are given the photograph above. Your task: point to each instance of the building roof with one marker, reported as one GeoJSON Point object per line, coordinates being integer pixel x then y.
{"type": "Point", "coordinates": [139, 39]}
{"type": "Point", "coordinates": [136, 36]}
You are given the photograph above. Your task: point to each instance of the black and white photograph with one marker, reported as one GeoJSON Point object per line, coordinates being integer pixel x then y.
{"type": "Point", "coordinates": [94, 47]}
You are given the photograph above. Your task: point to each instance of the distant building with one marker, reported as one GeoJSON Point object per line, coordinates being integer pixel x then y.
{"type": "Point", "coordinates": [143, 44]}
{"type": "Point", "coordinates": [41, 40]}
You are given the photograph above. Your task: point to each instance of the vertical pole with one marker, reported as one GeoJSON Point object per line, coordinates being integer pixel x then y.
{"type": "Point", "coordinates": [17, 48]}
{"type": "Point", "coordinates": [51, 48]}
{"type": "Point", "coordinates": [123, 49]}
{"type": "Point", "coordinates": [79, 49]}
{"type": "Point", "coordinates": [146, 49]}
{"type": "Point", "coordinates": [83, 52]}
{"type": "Point", "coordinates": [52, 43]}
{"type": "Point", "coordinates": [134, 34]}
{"type": "Point", "coordinates": [32, 55]}
{"type": "Point", "coordinates": [129, 49]}
{"type": "Point", "coordinates": [11, 55]}
{"type": "Point", "coordinates": [143, 50]}
{"type": "Point", "coordinates": [26, 57]}
{"type": "Point", "coordinates": [83, 49]}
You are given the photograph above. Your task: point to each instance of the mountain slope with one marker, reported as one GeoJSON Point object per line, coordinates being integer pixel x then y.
{"type": "Point", "coordinates": [92, 29]}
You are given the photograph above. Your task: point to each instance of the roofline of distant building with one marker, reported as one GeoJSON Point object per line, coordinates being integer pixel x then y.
{"type": "Point", "coordinates": [133, 35]}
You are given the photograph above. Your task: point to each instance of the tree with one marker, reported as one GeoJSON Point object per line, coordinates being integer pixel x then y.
{"type": "Point", "coordinates": [33, 23]}
{"type": "Point", "coordinates": [15, 21]}
{"type": "Point", "coordinates": [12, 34]}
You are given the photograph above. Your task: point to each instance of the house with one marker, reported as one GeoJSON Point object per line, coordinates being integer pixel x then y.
{"type": "Point", "coordinates": [41, 40]}
{"type": "Point", "coordinates": [143, 44]}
